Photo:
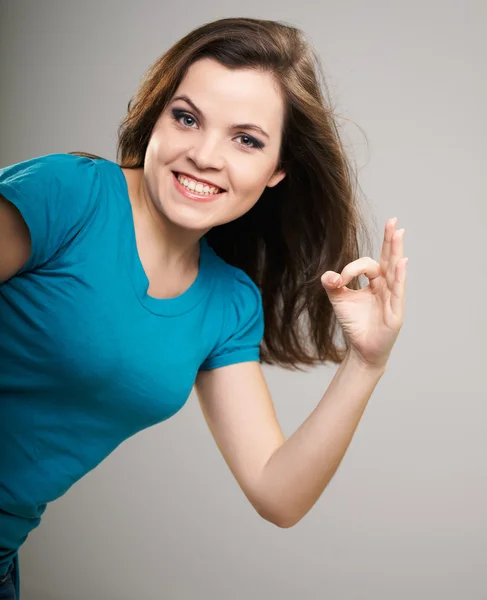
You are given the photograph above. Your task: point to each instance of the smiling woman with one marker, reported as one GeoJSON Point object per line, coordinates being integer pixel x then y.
{"type": "Point", "coordinates": [204, 251]}
{"type": "Point", "coordinates": [237, 102]}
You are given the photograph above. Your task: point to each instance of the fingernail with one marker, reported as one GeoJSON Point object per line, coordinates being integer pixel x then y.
{"type": "Point", "coordinates": [335, 279]}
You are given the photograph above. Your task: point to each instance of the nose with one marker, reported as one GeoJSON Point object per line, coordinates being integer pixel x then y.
{"type": "Point", "coordinates": [206, 153]}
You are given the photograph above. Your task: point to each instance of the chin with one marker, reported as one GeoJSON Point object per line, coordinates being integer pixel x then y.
{"type": "Point", "coordinates": [188, 222]}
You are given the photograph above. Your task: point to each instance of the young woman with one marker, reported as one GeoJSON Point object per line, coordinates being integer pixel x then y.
{"type": "Point", "coordinates": [225, 236]}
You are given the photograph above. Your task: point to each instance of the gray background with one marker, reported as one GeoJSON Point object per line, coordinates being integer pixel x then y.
{"type": "Point", "coordinates": [405, 515]}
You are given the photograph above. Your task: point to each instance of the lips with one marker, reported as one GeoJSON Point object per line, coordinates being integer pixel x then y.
{"type": "Point", "coordinates": [193, 195]}
{"type": "Point", "coordinates": [210, 183]}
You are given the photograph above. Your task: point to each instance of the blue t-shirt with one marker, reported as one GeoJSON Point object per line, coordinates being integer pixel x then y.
{"type": "Point", "coordinates": [87, 358]}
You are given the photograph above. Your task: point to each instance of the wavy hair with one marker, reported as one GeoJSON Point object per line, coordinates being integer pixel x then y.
{"type": "Point", "coordinates": [309, 222]}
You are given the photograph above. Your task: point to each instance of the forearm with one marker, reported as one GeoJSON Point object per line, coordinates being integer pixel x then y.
{"type": "Point", "coordinates": [298, 471]}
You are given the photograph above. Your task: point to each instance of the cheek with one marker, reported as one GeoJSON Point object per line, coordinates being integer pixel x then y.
{"type": "Point", "coordinates": [247, 194]}
{"type": "Point", "coordinates": [250, 180]}
{"type": "Point", "coordinates": [163, 145]}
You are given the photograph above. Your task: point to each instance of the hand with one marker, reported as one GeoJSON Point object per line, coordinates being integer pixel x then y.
{"type": "Point", "coordinates": [372, 317]}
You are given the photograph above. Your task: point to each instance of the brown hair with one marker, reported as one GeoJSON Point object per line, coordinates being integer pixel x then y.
{"type": "Point", "coordinates": [308, 223]}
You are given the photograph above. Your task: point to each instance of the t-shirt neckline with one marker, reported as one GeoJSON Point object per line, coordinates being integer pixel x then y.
{"type": "Point", "coordinates": [168, 307]}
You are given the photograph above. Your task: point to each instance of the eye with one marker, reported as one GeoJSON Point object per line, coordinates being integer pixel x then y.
{"type": "Point", "coordinates": [181, 114]}
{"type": "Point", "coordinates": [178, 114]}
{"type": "Point", "coordinates": [255, 143]}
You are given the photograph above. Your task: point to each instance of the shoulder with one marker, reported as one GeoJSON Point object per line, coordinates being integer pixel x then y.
{"type": "Point", "coordinates": [240, 318]}
{"type": "Point", "coordinates": [56, 195]}
{"type": "Point", "coordinates": [46, 165]}
{"type": "Point", "coordinates": [51, 175]}
{"type": "Point", "coordinates": [235, 283]}
{"type": "Point", "coordinates": [55, 177]}
{"type": "Point", "coordinates": [242, 298]}
{"type": "Point", "coordinates": [244, 288]}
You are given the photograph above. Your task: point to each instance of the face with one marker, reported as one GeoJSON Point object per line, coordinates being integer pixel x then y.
{"type": "Point", "coordinates": [200, 140]}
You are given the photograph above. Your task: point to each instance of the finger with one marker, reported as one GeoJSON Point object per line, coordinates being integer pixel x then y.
{"type": "Point", "coordinates": [398, 291]}
{"type": "Point", "coordinates": [397, 254]}
{"type": "Point", "coordinates": [390, 228]}
{"type": "Point", "coordinates": [362, 266]}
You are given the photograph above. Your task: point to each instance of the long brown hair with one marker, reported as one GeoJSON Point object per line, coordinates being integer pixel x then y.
{"type": "Point", "coordinates": [308, 223]}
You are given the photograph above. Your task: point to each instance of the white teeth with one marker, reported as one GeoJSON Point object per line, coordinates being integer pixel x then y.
{"type": "Point", "coordinates": [196, 186]}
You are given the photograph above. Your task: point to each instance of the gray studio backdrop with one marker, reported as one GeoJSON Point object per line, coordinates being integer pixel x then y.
{"type": "Point", "coordinates": [405, 515]}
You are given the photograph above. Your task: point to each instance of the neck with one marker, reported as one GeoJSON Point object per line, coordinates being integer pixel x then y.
{"type": "Point", "coordinates": [174, 247]}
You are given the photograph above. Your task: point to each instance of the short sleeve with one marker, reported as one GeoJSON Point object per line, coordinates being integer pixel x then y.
{"type": "Point", "coordinates": [55, 195]}
{"type": "Point", "coordinates": [243, 327]}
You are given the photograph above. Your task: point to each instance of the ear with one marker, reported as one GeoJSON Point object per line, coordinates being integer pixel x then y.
{"type": "Point", "coordinates": [276, 178]}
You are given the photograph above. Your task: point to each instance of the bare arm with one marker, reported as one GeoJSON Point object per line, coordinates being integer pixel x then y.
{"type": "Point", "coordinates": [282, 478]}
{"type": "Point", "coordinates": [15, 244]}
{"type": "Point", "coordinates": [296, 474]}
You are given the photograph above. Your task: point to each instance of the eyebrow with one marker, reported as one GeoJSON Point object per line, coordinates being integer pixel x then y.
{"type": "Point", "coordinates": [236, 126]}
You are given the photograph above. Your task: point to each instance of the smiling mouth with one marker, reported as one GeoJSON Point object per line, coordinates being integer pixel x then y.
{"type": "Point", "coordinates": [198, 182]}
{"type": "Point", "coordinates": [193, 194]}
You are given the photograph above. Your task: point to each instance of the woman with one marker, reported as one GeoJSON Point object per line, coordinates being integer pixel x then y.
{"type": "Point", "coordinates": [126, 284]}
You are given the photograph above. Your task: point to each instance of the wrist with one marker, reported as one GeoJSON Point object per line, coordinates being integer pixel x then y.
{"type": "Point", "coordinates": [355, 358]}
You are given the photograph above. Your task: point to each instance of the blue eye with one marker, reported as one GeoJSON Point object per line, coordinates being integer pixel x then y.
{"type": "Point", "coordinates": [178, 114]}
{"type": "Point", "coordinates": [181, 114]}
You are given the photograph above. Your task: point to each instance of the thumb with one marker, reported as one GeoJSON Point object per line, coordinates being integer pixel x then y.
{"type": "Point", "coordinates": [330, 279]}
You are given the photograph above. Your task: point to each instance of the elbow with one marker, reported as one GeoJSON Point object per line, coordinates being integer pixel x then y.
{"type": "Point", "coordinates": [273, 510]}
{"type": "Point", "coordinates": [274, 513]}
{"type": "Point", "coordinates": [287, 523]}
{"type": "Point", "coordinates": [281, 521]}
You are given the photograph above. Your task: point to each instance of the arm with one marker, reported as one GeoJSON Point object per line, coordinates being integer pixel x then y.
{"type": "Point", "coordinates": [282, 478]}
{"type": "Point", "coordinates": [14, 240]}
{"type": "Point", "coordinates": [296, 474]}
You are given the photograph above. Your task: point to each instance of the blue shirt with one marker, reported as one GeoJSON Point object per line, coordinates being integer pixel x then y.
{"type": "Point", "coordinates": [87, 358]}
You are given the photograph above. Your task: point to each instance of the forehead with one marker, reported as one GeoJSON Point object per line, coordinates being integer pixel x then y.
{"type": "Point", "coordinates": [236, 95]}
